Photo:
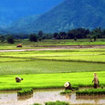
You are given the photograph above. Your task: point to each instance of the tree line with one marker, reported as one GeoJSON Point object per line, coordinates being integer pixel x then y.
{"type": "Point", "coordinates": [81, 33]}
{"type": "Point", "coordinates": [78, 33]}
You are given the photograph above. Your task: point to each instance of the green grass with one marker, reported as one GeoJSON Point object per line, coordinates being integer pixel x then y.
{"type": "Point", "coordinates": [91, 92]}
{"type": "Point", "coordinates": [57, 103]}
{"type": "Point", "coordinates": [25, 91]}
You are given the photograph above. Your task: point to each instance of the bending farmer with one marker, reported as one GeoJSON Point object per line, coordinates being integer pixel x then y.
{"type": "Point", "coordinates": [67, 86]}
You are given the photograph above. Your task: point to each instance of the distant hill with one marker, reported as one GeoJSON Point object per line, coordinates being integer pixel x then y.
{"type": "Point", "coordinates": [23, 22]}
{"type": "Point", "coordinates": [67, 15]}
{"type": "Point", "coordinates": [3, 32]}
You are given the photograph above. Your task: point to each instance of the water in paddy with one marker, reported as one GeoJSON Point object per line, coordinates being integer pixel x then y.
{"type": "Point", "coordinates": [42, 96]}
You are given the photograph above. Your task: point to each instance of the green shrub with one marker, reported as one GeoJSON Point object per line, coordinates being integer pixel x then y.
{"type": "Point", "coordinates": [91, 92]}
{"type": "Point", "coordinates": [25, 91]}
{"type": "Point", "coordinates": [57, 103]}
{"type": "Point", "coordinates": [66, 92]}
{"type": "Point", "coordinates": [36, 104]}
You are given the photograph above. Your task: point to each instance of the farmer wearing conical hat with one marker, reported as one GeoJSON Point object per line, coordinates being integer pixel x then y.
{"type": "Point", "coordinates": [67, 86]}
{"type": "Point", "coordinates": [18, 79]}
{"type": "Point", "coordinates": [96, 81]}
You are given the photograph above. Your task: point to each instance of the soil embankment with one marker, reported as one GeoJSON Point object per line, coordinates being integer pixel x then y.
{"type": "Point", "coordinates": [58, 48]}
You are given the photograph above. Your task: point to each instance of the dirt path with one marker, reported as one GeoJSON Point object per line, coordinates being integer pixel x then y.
{"type": "Point", "coordinates": [58, 48]}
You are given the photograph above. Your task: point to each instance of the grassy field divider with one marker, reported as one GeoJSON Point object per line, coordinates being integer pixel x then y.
{"type": "Point", "coordinates": [91, 92]}
{"type": "Point", "coordinates": [65, 92]}
{"type": "Point", "coordinates": [57, 103]}
{"type": "Point", "coordinates": [69, 60]}
{"type": "Point", "coordinates": [25, 91]}
{"type": "Point", "coordinates": [69, 91]}
{"type": "Point", "coordinates": [37, 104]}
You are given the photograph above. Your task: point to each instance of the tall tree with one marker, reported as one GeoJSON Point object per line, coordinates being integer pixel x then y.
{"type": "Point", "coordinates": [55, 35]}
{"type": "Point", "coordinates": [10, 39]}
{"type": "Point", "coordinates": [2, 38]}
{"type": "Point", "coordinates": [33, 38]}
{"type": "Point", "coordinates": [97, 33]}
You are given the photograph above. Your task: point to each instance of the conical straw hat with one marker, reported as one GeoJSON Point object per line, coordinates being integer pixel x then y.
{"type": "Point", "coordinates": [66, 84]}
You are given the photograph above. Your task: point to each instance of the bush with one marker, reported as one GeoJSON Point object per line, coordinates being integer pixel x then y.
{"type": "Point", "coordinates": [57, 103]}
{"type": "Point", "coordinates": [91, 92]}
{"type": "Point", "coordinates": [25, 91]}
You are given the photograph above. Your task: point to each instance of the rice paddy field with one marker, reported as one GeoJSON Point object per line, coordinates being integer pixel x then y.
{"type": "Point", "coordinates": [51, 69]}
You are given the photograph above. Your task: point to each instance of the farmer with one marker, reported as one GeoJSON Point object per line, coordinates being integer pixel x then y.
{"type": "Point", "coordinates": [19, 45]}
{"type": "Point", "coordinates": [67, 86]}
{"type": "Point", "coordinates": [96, 81]}
{"type": "Point", "coordinates": [18, 79]}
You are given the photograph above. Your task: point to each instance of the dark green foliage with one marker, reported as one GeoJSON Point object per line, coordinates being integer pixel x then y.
{"type": "Point", "coordinates": [72, 34]}
{"type": "Point", "coordinates": [57, 103]}
{"type": "Point", "coordinates": [97, 32]}
{"type": "Point", "coordinates": [78, 33]}
{"type": "Point", "coordinates": [40, 34]}
{"type": "Point", "coordinates": [55, 35]}
{"type": "Point", "coordinates": [95, 38]}
{"type": "Point", "coordinates": [91, 92]}
{"type": "Point", "coordinates": [33, 38]}
{"type": "Point", "coordinates": [63, 35]}
{"type": "Point", "coordinates": [10, 39]}
{"type": "Point", "coordinates": [75, 38]}
{"type": "Point", "coordinates": [25, 91]}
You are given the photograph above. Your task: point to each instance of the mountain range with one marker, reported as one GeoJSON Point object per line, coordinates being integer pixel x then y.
{"type": "Point", "coordinates": [67, 15]}
{"type": "Point", "coordinates": [13, 10]}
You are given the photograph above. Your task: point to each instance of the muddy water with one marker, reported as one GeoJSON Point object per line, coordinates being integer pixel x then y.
{"type": "Point", "coordinates": [42, 96]}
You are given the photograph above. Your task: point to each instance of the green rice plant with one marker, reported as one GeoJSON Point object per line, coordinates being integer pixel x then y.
{"type": "Point", "coordinates": [54, 80]}
{"type": "Point", "coordinates": [36, 104]}
{"type": "Point", "coordinates": [42, 67]}
{"type": "Point", "coordinates": [25, 91]}
{"type": "Point", "coordinates": [91, 92]}
{"type": "Point", "coordinates": [75, 87]}
{"type": "Point", "coordinates": [57, 103]}
{"type": "Point", "coordinates": [78, 55]}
